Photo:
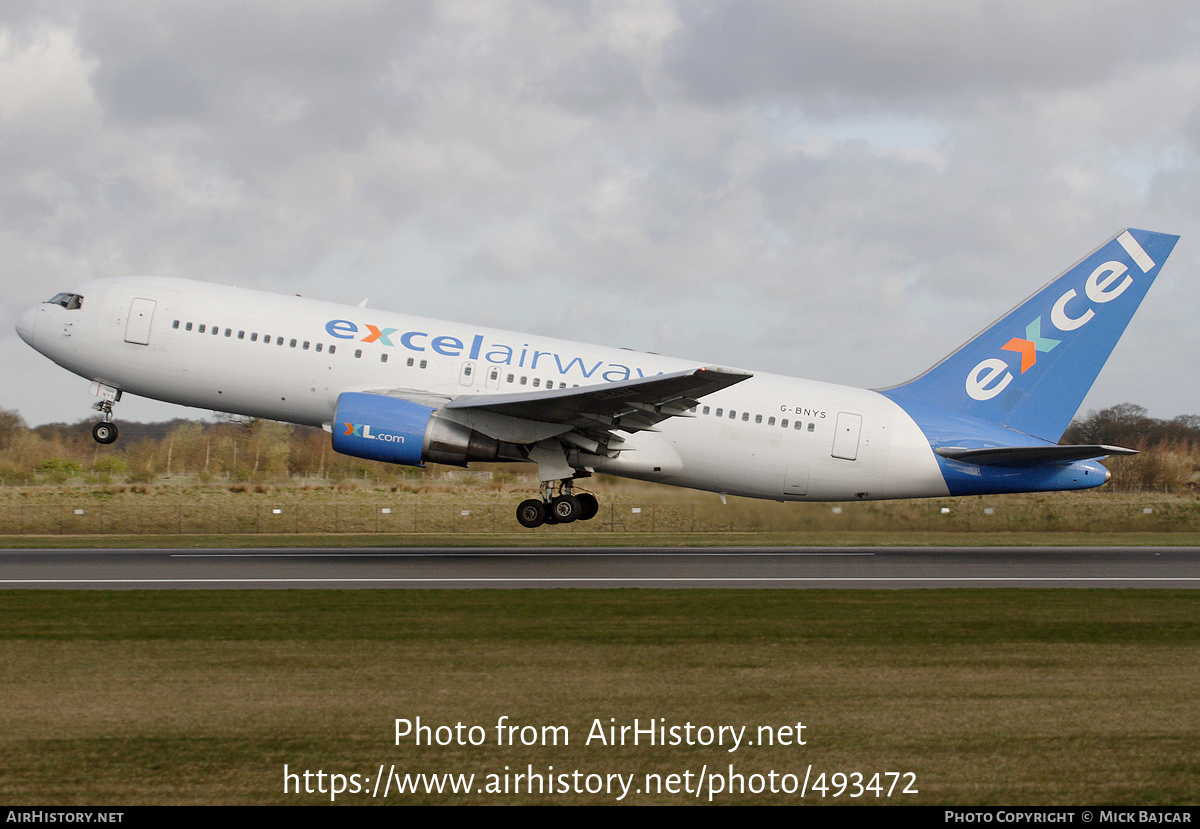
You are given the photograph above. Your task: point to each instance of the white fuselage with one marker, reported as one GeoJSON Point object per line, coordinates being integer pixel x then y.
{"type": "Point", "coordinates": [288, 358]}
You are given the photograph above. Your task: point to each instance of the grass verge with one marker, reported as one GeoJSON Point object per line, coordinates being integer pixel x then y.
{"type": "Point", "coordinates": [991, 697]}
{"type": "Point", "coordinates": [582, 539]}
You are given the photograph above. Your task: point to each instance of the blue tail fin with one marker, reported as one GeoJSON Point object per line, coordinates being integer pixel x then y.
{"type": "Point", "coordinates": [1031, 370]}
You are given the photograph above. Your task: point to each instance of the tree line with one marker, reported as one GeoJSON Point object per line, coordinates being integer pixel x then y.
{"type": "Point", "coordinates": [1169, 450]}
{"type": "Point", "coordinates": [244, 449]}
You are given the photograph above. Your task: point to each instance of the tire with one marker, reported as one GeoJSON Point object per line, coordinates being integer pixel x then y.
{"type": "Point", "coordinates": [565, 508]}
{"type": "Point", "coordinates": [104, 432]}
{"type": "Point", "coordinates": [588, 506]}
{"type": "Point", "coordinates": [531, 513]}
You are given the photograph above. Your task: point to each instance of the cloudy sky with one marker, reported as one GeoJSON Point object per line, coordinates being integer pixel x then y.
{"type": "Point", "coordinates": [843, 191]}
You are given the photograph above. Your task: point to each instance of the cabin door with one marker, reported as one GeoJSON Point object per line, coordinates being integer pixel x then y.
{"type": "Point", "coordinates": [845, 438]}
{"type": "Point", "coordinates": [137, 329]}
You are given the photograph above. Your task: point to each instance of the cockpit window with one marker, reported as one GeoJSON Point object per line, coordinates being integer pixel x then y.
{"type": "Point", "coordinates": [72, 302]}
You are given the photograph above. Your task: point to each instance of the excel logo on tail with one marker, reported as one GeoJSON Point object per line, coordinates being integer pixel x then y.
{"type": "Point", "coordinates": [1070, 311]}
{"type": "Point", "coordinates": [363, 430]}
{"type": "Point", "coordinates": [1029, 347]}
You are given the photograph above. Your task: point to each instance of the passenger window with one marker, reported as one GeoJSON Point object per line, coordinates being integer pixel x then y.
{"type": "Point", "coordinates": [523, 380]}
{"type": "Point", "coordinates": [706, 409]}
{"type": "Point", "coordinates": [410, 362]}
{"type": "Point", "coordinates": [770, 421]}
{"type": "Point", "coordinates": [292, 343]}
{"type": "Point", "coordinates": [423, 364]}
{"type": "Point", "coordinates": [799, 424]}
{"type": "Point", "coordinates": [279, 341]}
{"type": "Point", "coordinates": [745, 417]}
{"type": "Point", "coordinates": [812, 427]}
{"type": "Point", "coordinates": [357, 353]}
{"type": "Point", "coordinates": [304, 347]}
{"type": "Point", "coordinates": [201, 328]}
{"type": "Point", "coordinates": [383, 357]}
{"type": "Point", "coordinates": [175, 324]}
{"type": "Point", "coordinates": [758, 418]}
{"type": "Point", "coordinates": [536, 382]}
{"type": "Point", "coordinates": [228, 332]}
{"type": "Point", "coordinates": [509, 379]}
{"type": "Point", "coordinates": [241, 335]}
{"type": "Point", "coordinates": [187, 327]}
{"type": "Point", "coordinates": [216, 329]}
{"type": "Point", "coordinates": [783, 423]}
{"type": "Point", "coordinates": [720, 412]}
{"type": "Point", "coordinates": [332, 349]}
{"type": "Point", "coordinates": [319, 347]}
{"type": "Point", "coordinates": [732, 414]}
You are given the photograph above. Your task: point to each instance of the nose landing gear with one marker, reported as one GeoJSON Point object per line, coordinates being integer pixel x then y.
{"type": "Point", "coordinates": [105, 432]}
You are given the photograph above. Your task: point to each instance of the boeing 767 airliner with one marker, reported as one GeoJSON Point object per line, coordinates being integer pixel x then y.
{"type": "Point", "coordinates": [410, 390]}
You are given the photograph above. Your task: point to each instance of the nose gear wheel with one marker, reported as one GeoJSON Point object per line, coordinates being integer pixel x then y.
{"type": "Point", "coordinates": [104, 432]}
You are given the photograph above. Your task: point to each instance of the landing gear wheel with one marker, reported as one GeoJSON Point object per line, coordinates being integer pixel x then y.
{"type": "Point", "coordinates": [104, 432]}
{"type": "Point", "coordinates": [565, 508]}
{"type": "Point", "coordinates": [588, 506]}
{"type": "Point", "coordinates": [531, 513]}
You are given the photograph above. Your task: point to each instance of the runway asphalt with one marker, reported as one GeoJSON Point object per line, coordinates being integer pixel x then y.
{"type": "Point", "coordinates": [733, 567]}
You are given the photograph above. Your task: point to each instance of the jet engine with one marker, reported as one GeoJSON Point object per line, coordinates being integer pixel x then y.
{"type": "Point", "coordinates": [393, 430]}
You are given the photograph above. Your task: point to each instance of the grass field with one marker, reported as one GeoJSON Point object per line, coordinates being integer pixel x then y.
{"type": "Point", "coordinates": [990, 697]}
{"type": "Point", "coordinates": [481, 511]}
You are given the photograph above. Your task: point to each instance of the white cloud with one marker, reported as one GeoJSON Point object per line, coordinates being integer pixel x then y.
{"type": "Point", "coordinates": [845, 191]}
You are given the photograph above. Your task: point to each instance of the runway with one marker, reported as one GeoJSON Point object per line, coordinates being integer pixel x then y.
{"type": "Point", "coordinates": [607, 567]}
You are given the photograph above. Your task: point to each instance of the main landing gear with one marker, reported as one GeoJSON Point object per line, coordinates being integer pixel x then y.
{"type": "Point", "coordinates": [105, 431]}
{"type": "Point", "coordinates": [562, 508]}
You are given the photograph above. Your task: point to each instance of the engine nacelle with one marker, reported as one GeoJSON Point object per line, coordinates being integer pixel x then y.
{"type": "Point", "coordinates": [392, 430]}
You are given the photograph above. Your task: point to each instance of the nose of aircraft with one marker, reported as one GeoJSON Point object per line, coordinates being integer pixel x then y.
{"type": "Point", "coordinates": [26, 323]}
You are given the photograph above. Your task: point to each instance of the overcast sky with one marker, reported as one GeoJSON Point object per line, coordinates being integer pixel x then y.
{"type": "Point", "coordinates": [842, 191]}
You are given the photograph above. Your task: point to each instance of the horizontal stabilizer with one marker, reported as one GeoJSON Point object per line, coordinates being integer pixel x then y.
{"type": "Point", "coordinates": [1030, 455]}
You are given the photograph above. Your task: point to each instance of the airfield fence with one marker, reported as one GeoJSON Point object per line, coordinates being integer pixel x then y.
{"type": "Point", "coordinates": [291, 517]}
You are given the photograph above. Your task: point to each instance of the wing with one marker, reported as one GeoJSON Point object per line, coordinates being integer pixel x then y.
{"type": "Point", "coordinates": [590, 416]}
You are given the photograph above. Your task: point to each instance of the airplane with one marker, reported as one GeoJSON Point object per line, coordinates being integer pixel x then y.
{"type": "Point", "coordinates": [409, 390]}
